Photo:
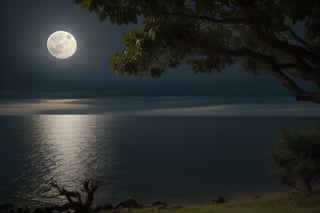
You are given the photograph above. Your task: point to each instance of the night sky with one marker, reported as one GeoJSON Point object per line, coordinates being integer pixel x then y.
{"type": "Point", "coordinates": [34, 82]}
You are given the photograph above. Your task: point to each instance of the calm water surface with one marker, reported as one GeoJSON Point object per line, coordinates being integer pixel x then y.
{"type": "Point", "coordinates": [178, 159]}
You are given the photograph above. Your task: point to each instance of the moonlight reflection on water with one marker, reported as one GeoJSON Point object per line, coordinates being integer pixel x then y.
{"type": "Point", "coordinates": [66, 149]}
{"type": "Point", "coordinates": [176, 159]}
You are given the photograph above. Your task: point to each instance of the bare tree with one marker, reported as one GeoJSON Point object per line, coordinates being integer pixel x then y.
{"type": "Point", "coordinates": [79, 201]}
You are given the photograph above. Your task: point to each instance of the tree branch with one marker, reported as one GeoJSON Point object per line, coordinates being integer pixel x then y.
{"type": "Point", "coordinates": [68, 194]}
{"type": "Point", "coordinates": [288, 66]}
{"type": "Point", "coordinates": [206, 18]}
{"type": "Point", "coordinates": [297, 188]}
{"type": "Point", "coordinates": [90, 186]}
{"type": "Point", "coordinates": [281, 45]}
{"type": "Point", "coordinates": [294, 50]}
{"type": "Point", "coordinates": [297, 38]}
{"type": "Point", "coordinates": [275, 70]}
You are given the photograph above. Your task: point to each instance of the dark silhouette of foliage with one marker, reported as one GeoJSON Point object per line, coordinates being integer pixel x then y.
{"type": "Point", "coordinates": [297, 158]}
{"type": "Point", "coordinates": [79, 201]}
{"type": "Point", "coordinates": [276, 36]}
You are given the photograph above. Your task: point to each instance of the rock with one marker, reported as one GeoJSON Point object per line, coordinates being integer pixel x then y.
{"type": "Point", "coordinates": [130, 203]}
{"type": "Point", "coordinates": [159, 203]}
{"type": "Point", "coordinates": [6, 206]}
{"type": "Point", "coordinates": [10, 208]}
{"type": "Point", "coordinates": [218, 200]}
{"type": "Point", "coordinates": [16, 210]}
{"type": "Point", "coordinates": [39, 210]}
{"type": "Point", "coordinates": [83, 209]}
{"type": "Point", "coordinates": [104, 207]}
{"type": "Point", "coordinates": [163, 206]}
{"type": "Point", "coordinates": [67, 207]}
{"type": "Point", "coordinates": [171, 206]}
{"type": "Point", "coordinates": [175, 206]}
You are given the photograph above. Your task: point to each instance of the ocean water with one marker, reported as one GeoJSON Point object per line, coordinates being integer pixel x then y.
{"type": "Point", "coordinates": [176, 159]}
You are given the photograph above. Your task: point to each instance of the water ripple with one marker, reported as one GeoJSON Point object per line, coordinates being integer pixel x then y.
{"type": "Point", "coordinates": [67, 149]}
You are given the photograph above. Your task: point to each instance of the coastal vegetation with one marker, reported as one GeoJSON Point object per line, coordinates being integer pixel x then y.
{"type": "Point", "coordinates": [297, 158]}
{"type": "Point", "coordinates": [275, 203]}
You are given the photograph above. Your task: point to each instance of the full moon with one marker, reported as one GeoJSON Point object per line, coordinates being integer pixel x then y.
{"type": "Point", "coordinates": [61, 44]}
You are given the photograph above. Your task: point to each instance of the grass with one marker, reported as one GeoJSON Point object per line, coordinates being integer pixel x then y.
{"type": "Point", "coordinates": [275, 203]}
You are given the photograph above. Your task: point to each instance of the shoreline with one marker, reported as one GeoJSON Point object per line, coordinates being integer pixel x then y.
{"type": "Point", "coordinates": [201, 200]}
{"type": "Point", "coordinates": [286, 199]}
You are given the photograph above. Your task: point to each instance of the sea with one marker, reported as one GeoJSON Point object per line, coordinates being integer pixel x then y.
{"type": "Point", "coordinates": [171, 158]}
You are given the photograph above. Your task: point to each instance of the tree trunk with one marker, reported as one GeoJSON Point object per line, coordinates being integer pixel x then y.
{"type": "Point", "coordinates": [308, 186]}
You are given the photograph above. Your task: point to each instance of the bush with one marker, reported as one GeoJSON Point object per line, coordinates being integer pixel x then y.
{"type": "Point", "coordinates": [297, 158]}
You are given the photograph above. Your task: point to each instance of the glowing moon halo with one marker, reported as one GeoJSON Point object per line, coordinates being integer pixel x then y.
{"type": "Point", "coordinates": [61, 45]}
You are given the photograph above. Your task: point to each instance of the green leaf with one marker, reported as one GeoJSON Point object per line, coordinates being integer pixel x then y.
{"type": "Point", "coordinates": [79, 1]}
{"type": "Point", "coordinates": [86, 4]}
{"type": "Point", "coordinates": [102, 16]}
{"type": "Point", "coordinates": [152, 34]}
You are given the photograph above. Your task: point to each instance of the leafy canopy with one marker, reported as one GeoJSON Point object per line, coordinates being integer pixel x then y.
{"type": "Point", "coordinates": [297, 158]}
{"type": "Point", "coordinates": [276, 36]}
